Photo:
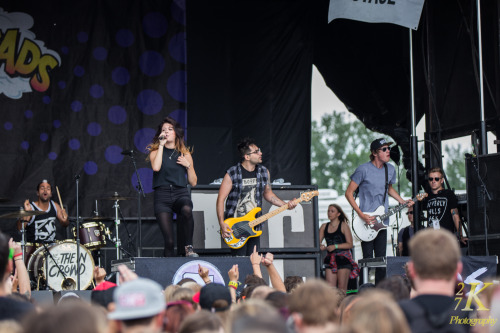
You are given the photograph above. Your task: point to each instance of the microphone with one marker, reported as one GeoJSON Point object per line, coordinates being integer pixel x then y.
{"type": "Point", "coordinates": [162, 137]}
{"type": "Point", "coordinates": [128, 152]}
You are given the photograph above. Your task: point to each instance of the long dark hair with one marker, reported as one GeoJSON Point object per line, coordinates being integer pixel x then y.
{"type": "Point", "coordinates": [179, 137]}
{"type": "Point", "coordinates": [342, 216]}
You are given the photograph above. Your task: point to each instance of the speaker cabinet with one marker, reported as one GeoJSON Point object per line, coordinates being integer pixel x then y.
{"type": "Point", "coordinates": [483, 167]}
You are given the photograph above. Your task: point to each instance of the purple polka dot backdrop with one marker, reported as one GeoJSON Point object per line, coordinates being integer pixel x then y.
{"type": "Point", "coordinates": [112, 80]}
{"type": "Point", "coordinates": [151, 63]}
{"type": "Point", "coordinates": [113, 154]}
{"type": "Point", "coordinates": [125, 38]}
{"type": "Point", "coordinates": [143, 137]}
{"type": "Point", "coordinates": [146, 175]}
{"type": "Point", "coordinates": [120, 76]}
{"type": "Point", "coordinates": [117, 114]}
{"type": "Point", "coordinates": [149, 102]}
{"type": "Point", "coordinates": [175, 85]}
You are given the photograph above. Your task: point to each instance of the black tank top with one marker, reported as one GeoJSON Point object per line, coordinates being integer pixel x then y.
{"type": "Point", "coordinates": [42, 229]}
{"type": "Point", "coordinates": [336, 237]}
{"type": "Point", "coordinates": [170, 172]}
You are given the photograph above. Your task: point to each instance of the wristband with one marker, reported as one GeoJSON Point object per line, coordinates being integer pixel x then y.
{"type": "Point", "coordinates": [11, 253]}
{"type": "Point", "coordinates": [233, 285]}
{"type": "Point", "coordinates": [336, 246]}
{"type": "Point", "coordinates": [18, 259]}
{"type": "Point", "coordinates": [17, 255]}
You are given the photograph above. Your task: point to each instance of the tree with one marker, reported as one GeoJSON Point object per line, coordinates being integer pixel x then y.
{"type": "Point", "coordinates": [455, 166]}
{"type": "Point", "coordinates": [338, 147]}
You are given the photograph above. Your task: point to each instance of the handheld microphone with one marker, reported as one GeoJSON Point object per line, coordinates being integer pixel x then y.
{"type": "Point", "coordinates": [128, 152]}
{"type": "Point", "coordinates": [162, 137]}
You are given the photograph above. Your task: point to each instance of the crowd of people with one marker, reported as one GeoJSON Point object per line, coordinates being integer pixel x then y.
{"type": "Point", "coordinates": [424, 300]}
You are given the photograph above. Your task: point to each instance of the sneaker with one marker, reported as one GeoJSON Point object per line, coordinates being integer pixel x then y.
{"type": "Point", "coordinates": [190, 252]}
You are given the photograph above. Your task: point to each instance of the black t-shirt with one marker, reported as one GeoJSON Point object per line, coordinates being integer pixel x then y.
{"type": "Point", "coordinates": [14, 309]}
{"type": "Point", "coordinates": [439, 208]}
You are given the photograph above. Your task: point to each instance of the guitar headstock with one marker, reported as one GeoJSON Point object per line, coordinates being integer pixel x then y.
{"type": "Point", "coordinates": [421, 196]}
{"type": "Point", "coordinates": [306, 196]}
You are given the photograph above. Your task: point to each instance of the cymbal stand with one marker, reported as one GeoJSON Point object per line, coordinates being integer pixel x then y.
{"type": "Point", "coordinates": [77, 179]}
{"type": "Point", "coordinates": [117, 241]}
{"type": "Point", "coordinates": [23, 241]}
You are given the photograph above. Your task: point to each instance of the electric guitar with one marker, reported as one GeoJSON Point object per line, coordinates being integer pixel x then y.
{"type": "Point", "coordinates": [243, 227]}
{"type": "Point", "coordinates": [367, 232]}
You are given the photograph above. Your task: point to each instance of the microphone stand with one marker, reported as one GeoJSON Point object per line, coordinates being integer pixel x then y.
{"type": "Point", "coordinates": [484, 194]}
{"type": "Point", "coordinates": [140, 192]}
{"type": "Point", "coordinates": [77, 179]}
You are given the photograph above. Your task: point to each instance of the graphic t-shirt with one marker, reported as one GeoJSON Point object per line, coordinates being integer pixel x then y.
{"type": "Point", "coordinates": [247, 200]}
{"type": "Point", "coordinates": [439, 208]}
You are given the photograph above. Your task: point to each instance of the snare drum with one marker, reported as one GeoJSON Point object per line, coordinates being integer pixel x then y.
{"type": "Point", "coordinates": [92, 235]}
{"type": "Point", "coordinates": [61, 259]}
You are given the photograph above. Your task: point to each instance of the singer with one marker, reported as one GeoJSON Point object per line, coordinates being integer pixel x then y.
{"type": "Point", "coordinates": [172, 171]}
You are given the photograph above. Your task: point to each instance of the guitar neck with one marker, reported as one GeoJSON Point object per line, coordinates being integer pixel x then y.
{"type": "Point", "coordinates": [394, 210]}
{"type": "Point", "coordinates": [267, 216]}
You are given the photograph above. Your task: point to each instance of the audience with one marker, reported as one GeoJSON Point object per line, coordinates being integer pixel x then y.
{"type": "Point", "coordinates": [289, 306]}
{"type": "Point", "coordinates": [139, 306]}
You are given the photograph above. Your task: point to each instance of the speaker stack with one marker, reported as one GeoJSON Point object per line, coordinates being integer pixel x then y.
{"type": "Point", "coordinates": [481, 209]}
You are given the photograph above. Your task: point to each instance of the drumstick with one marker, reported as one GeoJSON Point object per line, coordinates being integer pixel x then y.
{"type": "Point", "coordinates": [59, 195]}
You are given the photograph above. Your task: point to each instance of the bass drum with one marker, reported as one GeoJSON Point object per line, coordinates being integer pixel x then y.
{"type": "Point", "coordinates": [60, 271]}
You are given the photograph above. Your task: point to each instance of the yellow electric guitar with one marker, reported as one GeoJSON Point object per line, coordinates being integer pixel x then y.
{"type": "Point", "coordinates": [243, 227]}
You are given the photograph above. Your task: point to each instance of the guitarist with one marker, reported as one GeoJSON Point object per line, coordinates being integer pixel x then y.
{"type": "Point", "coordinates": [244, 186]}
{"type": "Point", "coordinates": [374, 180]}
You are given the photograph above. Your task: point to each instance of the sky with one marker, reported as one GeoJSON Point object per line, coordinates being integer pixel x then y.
{"type": "Point", "coordinates": [325, 101]}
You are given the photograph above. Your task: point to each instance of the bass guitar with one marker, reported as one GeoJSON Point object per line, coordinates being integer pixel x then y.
{"type": "Point", "coordinates": [243, 227]}
{"type": "Point", "coordinates": [367, 232]}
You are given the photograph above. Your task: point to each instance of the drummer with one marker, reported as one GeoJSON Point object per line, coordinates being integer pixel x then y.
{"type": "Point", "coordinates": [42, 228]}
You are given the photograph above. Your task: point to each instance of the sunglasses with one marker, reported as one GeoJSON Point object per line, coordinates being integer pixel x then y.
{"type": "Point", "coordinates": [255, 152]}
{"type": "Point", "coordinates": [435, 178]}
{"type": "Point", "coordinates": [384, 149]}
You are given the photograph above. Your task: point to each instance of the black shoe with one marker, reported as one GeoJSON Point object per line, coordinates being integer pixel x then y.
{"type": "Point", "coordinates": [190, 252]}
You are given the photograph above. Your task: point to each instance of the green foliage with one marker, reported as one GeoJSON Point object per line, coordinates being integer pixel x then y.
{"type": "Point", "coordinates": [455, 166]}
{"type": "Point", "coordinates": [338, 146]}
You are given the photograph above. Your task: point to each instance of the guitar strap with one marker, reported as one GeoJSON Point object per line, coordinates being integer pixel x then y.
{"type": "Point", "coordinates": [386, 183]}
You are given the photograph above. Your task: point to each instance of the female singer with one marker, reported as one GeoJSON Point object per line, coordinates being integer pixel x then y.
{"type": "Point", "coordinates": [171, 161]}
{"type": "Point", "coordinates": [338, 237]}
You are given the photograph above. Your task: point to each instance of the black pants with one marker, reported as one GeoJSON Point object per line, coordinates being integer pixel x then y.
{"type": "Point", "coordinates": [169, 200]}
{"type": "Point", "coordinates": [377, 246]}
{"type": "Point", "coordinates": [246, 249]}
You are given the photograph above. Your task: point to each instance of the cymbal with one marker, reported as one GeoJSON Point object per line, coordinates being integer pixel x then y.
{"type": "Point", "coordinates": [97, 219]}
{"type": "Point", "coordinates": [116, 197]}
{"type": "Point", "coordinates": [22, 213]}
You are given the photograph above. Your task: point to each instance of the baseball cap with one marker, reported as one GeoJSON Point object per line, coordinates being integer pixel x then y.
{"type": "Point", "coordinates": [213, 292]}
{"type": "Point", "coordinates": [139, 298]}
{"type": "Point", "coordinates": [376, 144]}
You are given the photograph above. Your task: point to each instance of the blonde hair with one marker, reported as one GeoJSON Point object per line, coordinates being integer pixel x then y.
{"type": "Point", "coordinates": [316, 301]}
{"type": "Point", "coordinates": [435, 254]}
{"type": "Point", "coordinates": [376, 312]}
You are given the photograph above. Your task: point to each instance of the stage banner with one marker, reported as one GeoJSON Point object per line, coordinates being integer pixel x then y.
{"type": "Point", "coordinates": [401, 12]}
{"type": "Point", "coordinates": [80, 82]}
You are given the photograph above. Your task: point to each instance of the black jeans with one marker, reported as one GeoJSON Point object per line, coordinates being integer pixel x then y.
{"type": "Point", "coordinates": [377, 246]}
{"type": "Point", "coordinates": [246, 249]}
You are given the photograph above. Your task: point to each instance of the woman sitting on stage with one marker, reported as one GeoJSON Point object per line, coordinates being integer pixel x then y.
{"type": "Point", "coordinates": [338, 237]}
{"type": "Point", "coordinates": [171, 161]}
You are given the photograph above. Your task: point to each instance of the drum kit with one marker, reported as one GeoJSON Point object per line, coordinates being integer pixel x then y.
{"type": "Point", "coordinates": [55, 266]}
